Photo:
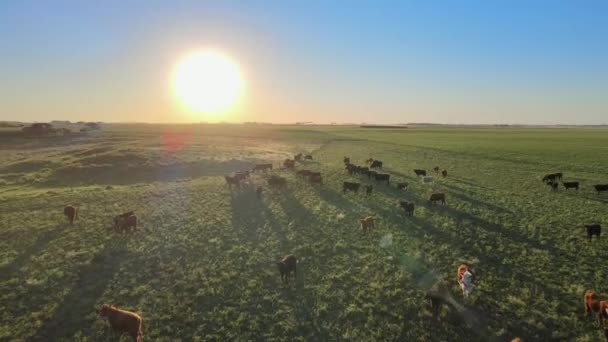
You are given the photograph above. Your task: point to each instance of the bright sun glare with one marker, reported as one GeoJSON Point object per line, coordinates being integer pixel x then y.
{"type": "Point", "coordinates": [207, 82]}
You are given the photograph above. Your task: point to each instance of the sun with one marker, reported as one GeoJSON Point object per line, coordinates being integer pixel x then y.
{"type": "Point", "coordinates": [207, 82]}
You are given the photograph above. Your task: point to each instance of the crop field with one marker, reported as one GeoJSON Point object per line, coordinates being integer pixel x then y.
{"type": "Point", "coordinates": [202, 266]}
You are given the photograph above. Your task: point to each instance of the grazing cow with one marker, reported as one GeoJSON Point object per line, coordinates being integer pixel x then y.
{"type": "Point", "coordinates": [444, 173]}
{"type": "Point", "coordinates": [464, 275]}
{"type": "Point", "coordinates": [258, 191]}
{"type": "Point", "coordinates": [308, 157]}
{"type": "Point", "coordinates": [593, 229]}
{"type": "Point", "coordinates": [558, 176]}
{"type": "Point", "coordinates": [402, 186]}
{"type": "Point", "coordinates": [316, 179]}
{"type": "Point", "coordinates": [368, 190]}
{"type": "Point", "coordinates": [600, 187]}
{"type": "Point", "coordinates": [297, 157]}
{"type": "Point", "coordinates": [286, 266]}
{"type": "Point", "coordinates": [376, 164]}
{"type": "Point", "coordinates": [125, 221]}
{"type": "Point", "coordinates": [367, 224]}
{"type": "Point", "coordinates": [408, 207]}
{"type": "Point", "coordinates": [71, 213]}
{"type": "Point", "coordinates": [420, 172]}
{"type": "Point", "coordinates": [289, 164]}
{"type": "Point", "coordinates": [233, 180]}
{"type": "Point", "coordinates": [383, 177]}
{"type": "Point", "coordinates": [122, 321]}
{"type": "Point", "coordinates": [436, 169]}
{"type": "Point", "coordinates": [549, 178]}
{"type": "Point", "coordinates": [436, 197]}
{"type": "Point", "coordinates": [277, 181]}
{"type": "Point", "coordinates": [262, 167]}
{"type": "Point", "coordinates": [570, 185]}
{"type": "Point", "coordinates": [554, 186]}
{"type": "Point", "coordinates": [348, 186]}
{"type": "Point", "coordinates": [593, 303]}
{"type": "Point", "coordinates": [346, 160]}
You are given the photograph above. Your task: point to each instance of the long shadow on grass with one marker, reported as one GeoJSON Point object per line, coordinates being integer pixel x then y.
{"type": "Point", "coordinates": [74, 311]}
{"type": "Point", "coordinates": [247, 212]}
{"type": "Point", "coordinates": [38, 246]}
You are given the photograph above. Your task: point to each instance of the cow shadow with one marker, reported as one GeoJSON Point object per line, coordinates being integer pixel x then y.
{"type": "Point", "coordinates": [77, 309]}
{"type": "Point", "coordinates": [38, 246]}
{"type": "Point", "coordinates": [247, 212]}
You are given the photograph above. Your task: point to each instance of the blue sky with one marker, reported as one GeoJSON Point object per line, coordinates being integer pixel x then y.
{"type": "Point", "coordinates": [537, 62]}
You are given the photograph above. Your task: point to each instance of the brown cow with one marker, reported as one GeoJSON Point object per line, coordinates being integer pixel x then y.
{"type": "Point", "coordinates": [125, 222]}
{"type": "Point", "coordinates": [436, 169]}
{"type": "Point", "coordinates": [123, 321]}
{"type": "Point", "coordinates": [444, 173]}
{"type": "Point", "coordinates": [308, 157]}
{"type": "Point", "coordinates": [436, 197]}
{"type": "Point", "coordinates": [286, 266]}
{"type": "Point", "coordinates": [593, 303]}
{"type": "Point", "coordinates": [367, 224]}
{"type": "Point", "coordinates": [289, 164]}
{"type": "Point", "coordinates": [71, 213]}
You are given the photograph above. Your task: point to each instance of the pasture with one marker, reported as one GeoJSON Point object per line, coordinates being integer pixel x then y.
{"type": "Point", "coordinates": [203, 264]}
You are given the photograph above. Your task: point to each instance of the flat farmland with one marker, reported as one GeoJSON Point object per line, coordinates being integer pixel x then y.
{"type": "Point", "coordinates": [202, 266]}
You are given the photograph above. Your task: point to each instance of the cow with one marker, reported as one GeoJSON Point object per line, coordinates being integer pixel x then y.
{"type": "Point", "coordinates": [554, 186]}
{"type": "Point", "coordinates": [369, 161]}
{"type": "Point", "coordinates": [570, 185]}
{"type": "Point", "coordinates": [436, 169]}
{"type": "Point", "coordinates": [593, 303]}
{"type": "Point", "coordinates": [558, 176]}
{"type": "Point", "coordinates": [71, 213]}
{"type": "Point", "coordinates": [444, 173]}
{"type": "Point", "coordinates": [402, 186]}
{"type": "Point", "coordinates": [232, 180]}
{"type": "Point", "coordinates": [258, 191]}
{"type": "Point", "coordinates": [600, 187]}
{"type": "Point", "coordinates": [408, 207]}
{"type": "Point", "coordinates": [349, 186]}
{"type": "Point", "coordinates": [549, 178]}
{"type": "Point", "coordinates": [297, 157]}
{"type": "Point", "coordinates": [289, 164]}
{"type": "Point", "coordinates": [286, 266]}
{"type": "Point", "coordinates": [350, 168]}
{"type": "Point", "coordinates": [346, 160]}
{"type": "Point", "coordinates": [367, 224]}
{"type": "Point", "coordinates": [465, 278]}
{"type": "Point", "coordinates": [125, 221]}
{"type": "Point", "coordinates": [308, 157]}
{"type": "Point", "coordinates": [420, 172]}
{"type": "Point", "coordinates": [316, 179]}
{"type": "Point", "coordinates": [242, 175]}
{"type": "Point", "coordinates": [593, 229]}
{"type": "Point", "coordinates": [376, 164]}
{"type": "Point", "coordinates": [277, 181]}
{"type": "Point", "coordinates": [436, 197]}
{"type": "Point", "coordinates": [262, 167]}
{"type": "Point", "coordinates": [383, 177]}
{"type": "Point", "coordinates": [369, 189]}
{"type": "Point", "coordinates": [122, 321]}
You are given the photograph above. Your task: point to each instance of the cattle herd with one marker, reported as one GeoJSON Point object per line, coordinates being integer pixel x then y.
{"type": "Point", "coordinates": [130, 323]}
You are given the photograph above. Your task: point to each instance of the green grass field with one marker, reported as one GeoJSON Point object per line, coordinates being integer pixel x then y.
{"type": "Point", "coordinates": [202, 267]}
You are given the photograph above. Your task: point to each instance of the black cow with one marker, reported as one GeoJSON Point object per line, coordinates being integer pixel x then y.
{"type": "Point", "coordinates": [376, 164]}
{"type": "Point", "coordinates": [559, 175]}
{"type": "Point", "coordinates": [348, 186]}
{"type": "Point", "coordinates": [383, 177]}
{"type": "Point", "coordinates": [593, 229]}
{"type": "Point", "coordinates": [368, 190]}
{"type": "Point", "coordinates": [570, 185]}
{"type": "Point", "coordinates": [287, 266]}
{"type": "Point", "coordinates": [346, 160]}
{"type": "Point", "coordinates": [408, 207]}
{"type": "Point", "coordinates": [550, 178]}
{"type": "Point", "coordinates": [553, 186]}
{"type": "Point", "coordinates": [350, 168]}
{"type": "Point", "coordinates": [402, 186]}
{"type": "Point", "coordinates": [420, 172]}
{"type": "Point", "coordinates": [600, 187]}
